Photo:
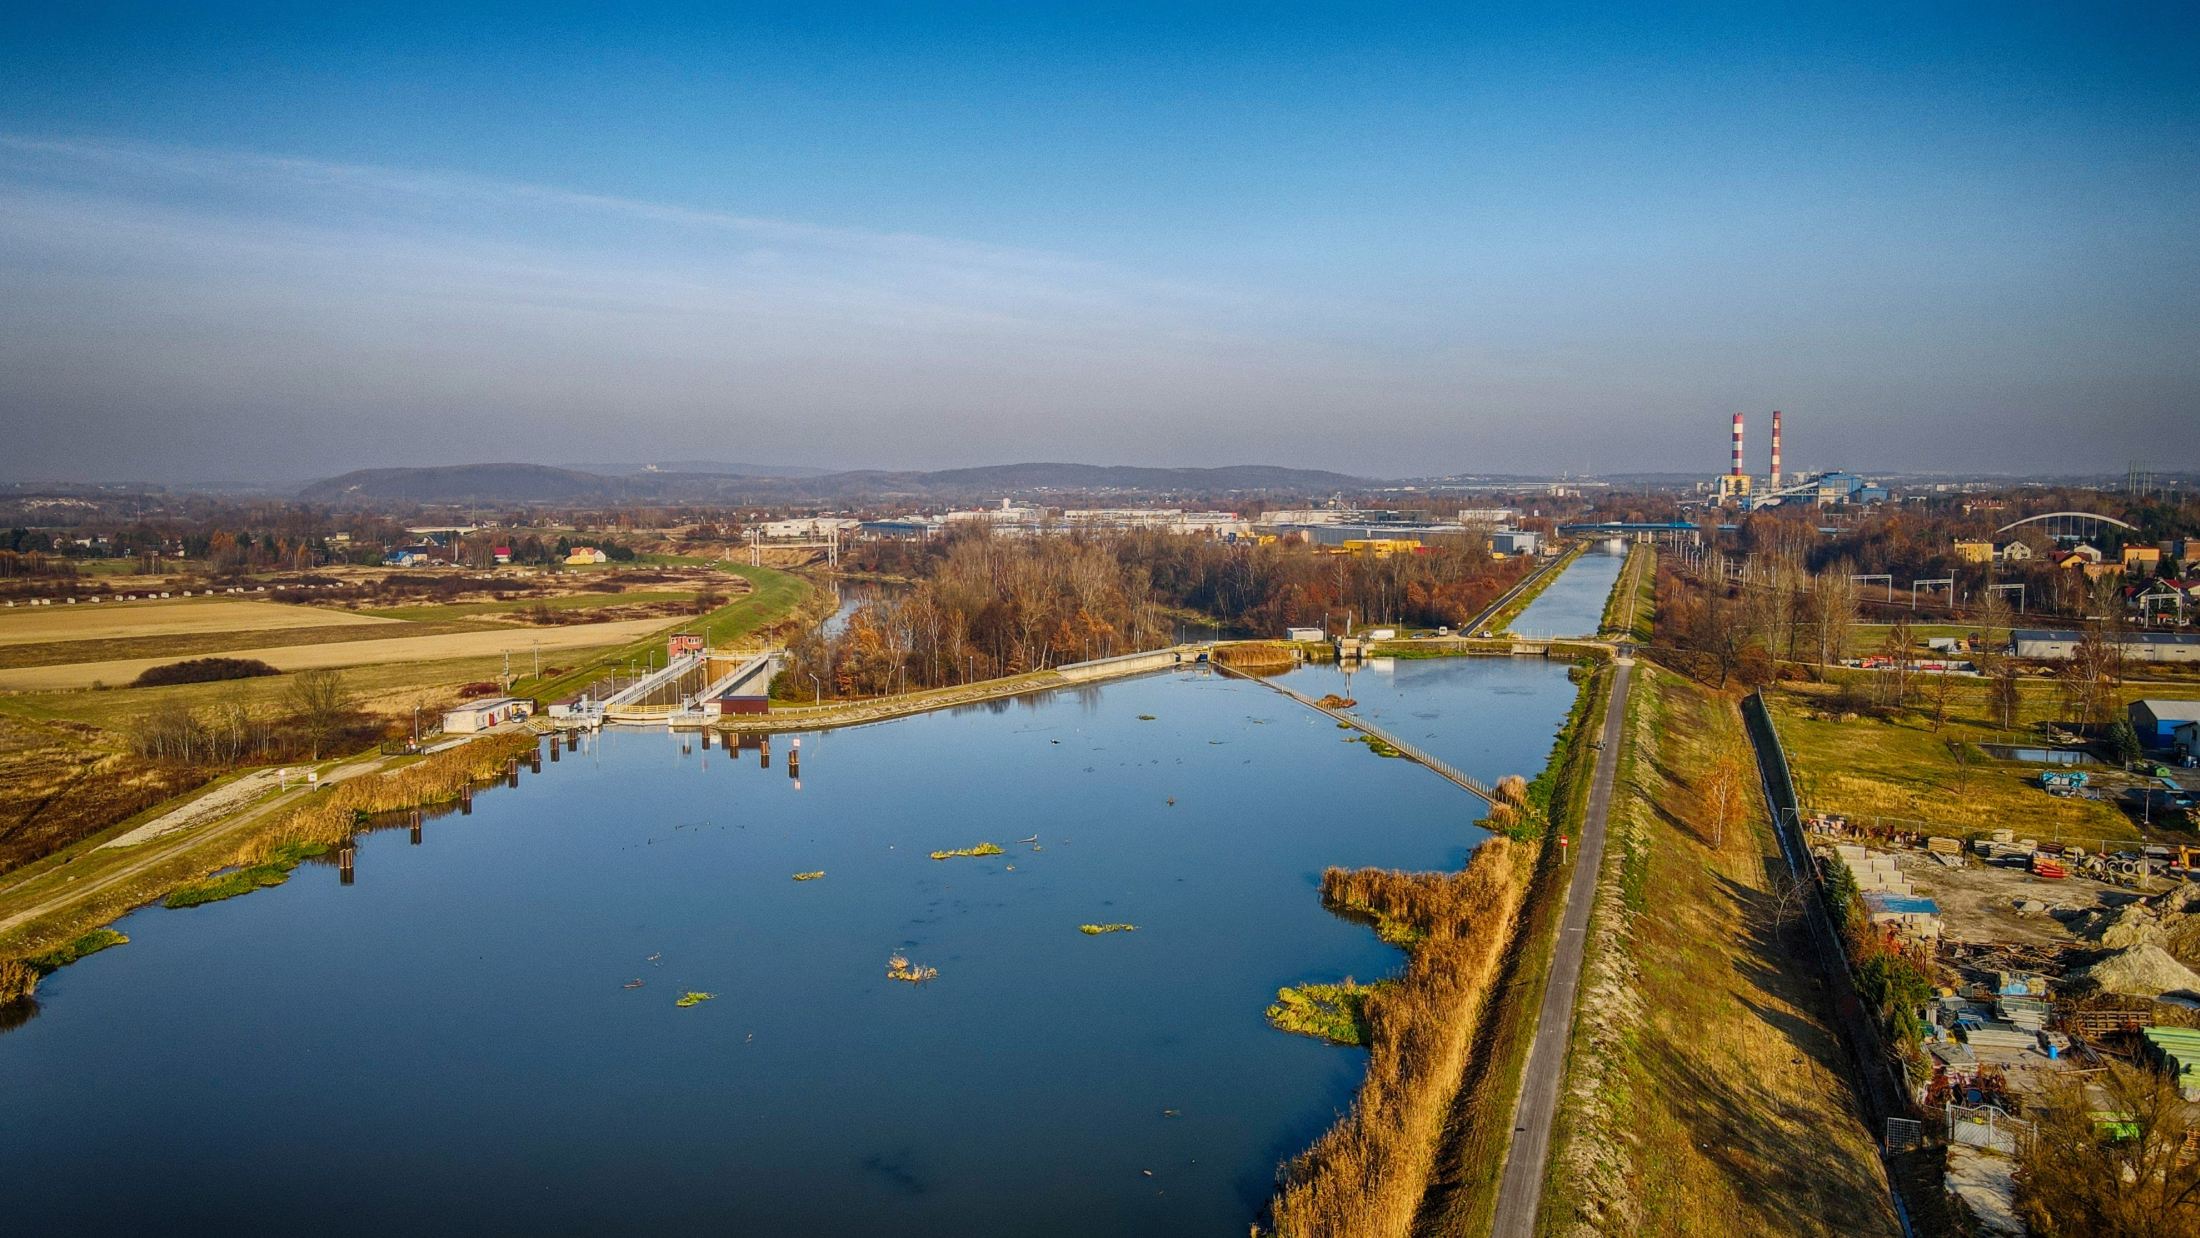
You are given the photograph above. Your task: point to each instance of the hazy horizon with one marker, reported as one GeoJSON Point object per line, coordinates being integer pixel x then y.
{"type": "Point", "coordinates": [279, 249]}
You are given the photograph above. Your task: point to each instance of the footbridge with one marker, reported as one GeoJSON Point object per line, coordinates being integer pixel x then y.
{"type": "Point", "coordinates": [641, 689]}
{"type": "Point", "coordinates": [1411, 753]}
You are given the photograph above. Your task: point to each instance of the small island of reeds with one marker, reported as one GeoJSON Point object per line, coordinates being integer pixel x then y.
{"type": "Point", "coordinates": [693, 998]}
{"type": "Point", "coordinates": [1336, 1013]}
{"type": "Point", "coordinates": [980, 849]}
{"type": "Point", "coordinates": [809, 876]}
{"type": "Point", "coordinates": [1094, 930]}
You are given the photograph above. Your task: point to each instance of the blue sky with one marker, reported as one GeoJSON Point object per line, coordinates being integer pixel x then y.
{"type": "Point", "coordinates": [246, 241]}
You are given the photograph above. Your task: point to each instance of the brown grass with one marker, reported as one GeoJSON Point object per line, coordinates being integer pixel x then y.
{"type": "Point", "coordinates": [1254, 653]}
{"type": "Point", "coordinates": [18, 980]}
{"type": "Point", "coordinates": [1369, 1173]}
{"type": "Point", "coordinates": [1705, 1093]}
{"type": "Point", "coordinates": [440, 779]}
{"type": "Point", "coordinates": [62, 782]}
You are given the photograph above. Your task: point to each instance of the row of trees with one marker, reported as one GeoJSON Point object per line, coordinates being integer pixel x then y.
{"type": "Point", "coordinates": [985, 605]}
{"type": "Point", "coordinates": [317, 709]}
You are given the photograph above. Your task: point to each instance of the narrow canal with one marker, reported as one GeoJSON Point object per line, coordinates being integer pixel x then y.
{"type": "Point", "coordinates": [451, 1043]}
{"type": "Point", "coordinates": [1573, 605]}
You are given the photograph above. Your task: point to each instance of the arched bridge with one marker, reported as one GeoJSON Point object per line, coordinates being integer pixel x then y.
{"type": "Point", "coordinates": [2070, 524]}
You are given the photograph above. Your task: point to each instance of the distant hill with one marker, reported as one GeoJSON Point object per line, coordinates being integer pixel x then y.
{"type": "Point", "coordinates": [708, 468]}
{"type": "Point", "coordinates": [456, 483]}
{"type": "Point", "coordinates": [541, 483]}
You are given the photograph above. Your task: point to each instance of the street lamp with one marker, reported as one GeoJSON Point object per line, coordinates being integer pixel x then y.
{"type": "Point", "coordinates": [819, 689]}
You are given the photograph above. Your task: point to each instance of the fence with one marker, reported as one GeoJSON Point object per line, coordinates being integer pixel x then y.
{"type": "Point", "coordinates": [1885, 1091]}
{"type": "Point", "coordinates": [1903, 1134]}
{"type": "Point", "coordinates": [1989, 1127]}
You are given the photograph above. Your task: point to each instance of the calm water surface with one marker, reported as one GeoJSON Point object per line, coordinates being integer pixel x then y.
{"type": "Point", "coordinates": [1573, 605]}
{"type": "Point", "coordinates": [447, 1046]}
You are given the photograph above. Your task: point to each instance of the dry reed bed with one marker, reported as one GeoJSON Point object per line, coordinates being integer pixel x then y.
{"type": "Point", "coordinates": [329, 819]}
{"type": "Point", "coordinates": [1368, 1175]}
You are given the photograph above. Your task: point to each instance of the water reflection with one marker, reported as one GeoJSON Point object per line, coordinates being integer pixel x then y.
{"type": "Point", "coordinates": [459, 1021]}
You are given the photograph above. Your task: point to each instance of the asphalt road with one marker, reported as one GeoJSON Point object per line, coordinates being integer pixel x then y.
{"type": "Point", "coordinates": [1521, 1190]}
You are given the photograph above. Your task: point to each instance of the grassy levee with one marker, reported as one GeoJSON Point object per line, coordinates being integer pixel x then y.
{"type": "Point", "coordinates": [1629, 611]}
{"type": "Point", "coordinates": [773, 595]}
{"type": "Point", "coordinates": [1462, 1199]}
{"type": "Point", "coordinates": [1501, 622]}
{"type": "Point", "coordinates": [1706, 1093]}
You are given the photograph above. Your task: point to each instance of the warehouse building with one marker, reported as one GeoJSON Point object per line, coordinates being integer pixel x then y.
{"type": "Point", "coordinates": [2047, 645]}
{"type": "Point", "coordinates": [2165, 724]}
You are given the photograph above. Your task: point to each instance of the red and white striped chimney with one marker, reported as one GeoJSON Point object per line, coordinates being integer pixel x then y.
{"type": "Point", "coordinates": [1737, 469]}
{"type": "Point", "coordinates": [1776, 449]}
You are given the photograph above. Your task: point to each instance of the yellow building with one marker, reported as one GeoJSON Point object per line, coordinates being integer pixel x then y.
{"type": "Point", "coordinates": [1974, 552]}
{"type": "Point", "coordinates": [1381, 547]}
{"type": "Point", "coordinates": [2143, 559]}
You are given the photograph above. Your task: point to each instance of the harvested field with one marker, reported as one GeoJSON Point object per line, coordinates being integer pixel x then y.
{"type": "Point", "coordinates": [1706, 1093]}
{"type": "Point", "coordinates": [176, 617]}
{"type": "Point", "coordinates": [348, 653]}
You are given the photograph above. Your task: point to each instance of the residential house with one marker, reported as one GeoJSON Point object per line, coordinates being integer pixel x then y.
{"type": "Point", "coordinates": [2013, 552]}
{"type": "Point", "coordinates": [503, 554]}
{"type": "Point", "coordinates": [2142, 560]}
{"type": "Point", "coordinates": [586, 554]}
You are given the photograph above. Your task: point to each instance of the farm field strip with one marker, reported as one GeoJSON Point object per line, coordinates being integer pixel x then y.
{"type": "Point", "coordinates": [175, 617]}
{"type": "Point", "coordinates": [201, 644]}
{"type": "Point", "coordinates": [350, 653]}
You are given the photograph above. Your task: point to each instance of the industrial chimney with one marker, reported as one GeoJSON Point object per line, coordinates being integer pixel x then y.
{"type": "Point", "coordinates": [1736, 471]}
{"type": "Point", "coordinates": [1775, 449]}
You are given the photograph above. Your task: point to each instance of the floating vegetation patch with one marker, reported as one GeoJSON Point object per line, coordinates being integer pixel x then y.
{"type": "Point", "coordinates": [76, 948]}
{"type": "Point", "coordinates": [980, 849]}
{"type": "Point", "coordinates": [1380, 747]}
{"type": "Point", "coordinates": [1336, 1013]}
{"type": "Point", "coordinates": [693, 998]}
{"type": "Point", "coordinates": [900, 968]}
{"type": "Point", "coordinates": [272, 871]}
{"type": "Point", "coordinates": [1094, 930]}
{"type": "Point", "coordinates": [809, 876]}
{"type": "Point", "coordinates": [1333, 701]}
{"type": "Point", "coordinates": [1145, 717]}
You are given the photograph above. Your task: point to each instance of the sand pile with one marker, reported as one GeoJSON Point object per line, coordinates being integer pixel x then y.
{"type": "Point", "coordinates": [2140, 971]}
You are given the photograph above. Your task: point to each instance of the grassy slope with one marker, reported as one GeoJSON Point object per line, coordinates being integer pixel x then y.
{"type": "Point", "coordinates": [772, 596]}
{"type": "Point", "coordinates": [1705, 1095]}
{"type": "Point", "coordinates": [1902, 768]}
{"type": "Point", "coordinates": [439, 612]}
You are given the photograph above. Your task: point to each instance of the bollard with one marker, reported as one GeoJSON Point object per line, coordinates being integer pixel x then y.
{"type": "Point", "coordinates": [794, 761]}
{"type": "Point", "coordinates": [344, 858]}
{"type": "Point", "coordinates": [416, 827]}
{"type": "Point", "coordinates": [466, 800]}
{"type": "Point", "coordinates": [534, 760]}
{"type": "Point", "coordinates": [511, 772]}
{"type": "Point", "coordinates": [764, 752]}
{"type": "Point", "coordinates": [706, 739]}
{"type": "Point", "coordinates": [554, 747]}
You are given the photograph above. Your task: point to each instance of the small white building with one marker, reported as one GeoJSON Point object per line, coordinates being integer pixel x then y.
{"type": "Point", "coordinates": [1302, 634]}
{"type": "Point", "coordinates": [484, 714]}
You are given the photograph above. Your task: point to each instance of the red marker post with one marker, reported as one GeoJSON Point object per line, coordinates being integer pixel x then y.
{"type": "Point", "coordinates": [1565, 853]}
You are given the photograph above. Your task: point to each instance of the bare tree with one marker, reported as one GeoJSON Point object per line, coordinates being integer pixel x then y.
{"type": "Point", "coordinates": [320, 703]}
{"type": "Point", "coordinates": [1834, 609]}
{"type": "Point", "coordinates": [1724, 802]}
